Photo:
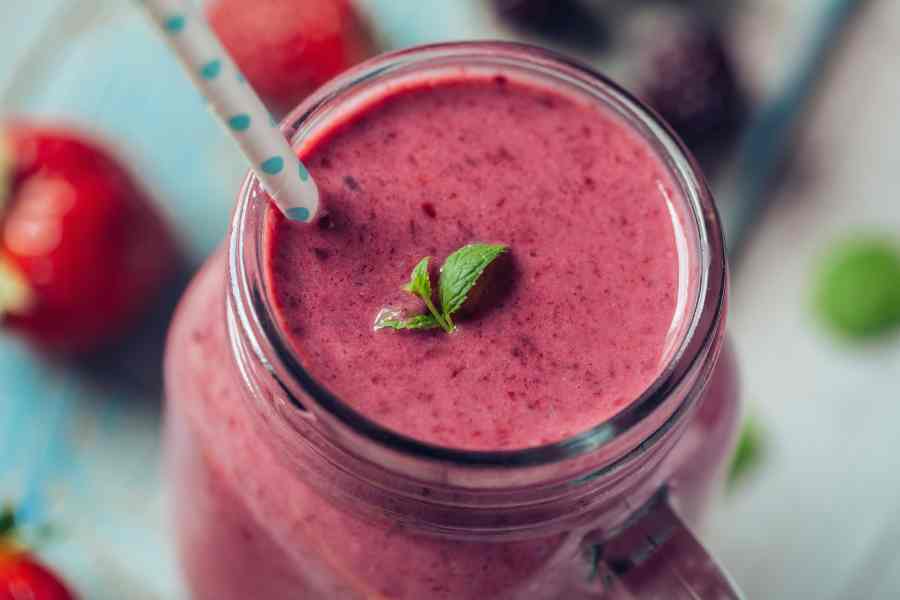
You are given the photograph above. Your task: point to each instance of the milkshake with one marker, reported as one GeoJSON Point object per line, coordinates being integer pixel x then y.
{"type": "Point", "coordinates": [315, 455]}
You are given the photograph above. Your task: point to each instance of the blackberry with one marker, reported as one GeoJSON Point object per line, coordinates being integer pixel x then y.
{"type": "Point", "coordinates": [690, 80]}
{"type": "Point", "coordinates": [568, 21]}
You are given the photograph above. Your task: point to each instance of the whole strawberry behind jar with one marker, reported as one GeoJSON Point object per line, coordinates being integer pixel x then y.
{"type": "Point", "coordinates": [288, 48]}
{"type": "Point", "coordinates": [84, 253]}
{"type": "Point", "coordinates": [22, 575]}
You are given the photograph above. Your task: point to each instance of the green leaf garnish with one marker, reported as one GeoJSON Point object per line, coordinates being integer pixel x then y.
{"type": "Point", "coordinates": [459, 274]}
{"type": "Point", "coordinates": [390, 319]}
{"type": "Point", "coordinates": [420, 285]}
{"type": "Point", "coordinates": [420, 281]}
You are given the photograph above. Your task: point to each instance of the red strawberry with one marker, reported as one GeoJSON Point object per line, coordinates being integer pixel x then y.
{"type": "Point", "coordinates": [286, 48]}
{"type": "Point", "coordinates": [82, 251]}
{"type": "Point", "coordinates": [21, 576]}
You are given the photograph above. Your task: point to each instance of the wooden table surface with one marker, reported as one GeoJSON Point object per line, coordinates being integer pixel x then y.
{"type": "Point", "coordinates": [820, 519]}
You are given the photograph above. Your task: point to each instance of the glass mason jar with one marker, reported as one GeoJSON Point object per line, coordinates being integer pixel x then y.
{"type": "Point", "coordinates": [282, 491]}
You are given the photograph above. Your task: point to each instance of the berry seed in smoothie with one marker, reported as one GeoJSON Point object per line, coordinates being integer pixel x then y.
{"type": "Point", "coordinates": [571, 325]}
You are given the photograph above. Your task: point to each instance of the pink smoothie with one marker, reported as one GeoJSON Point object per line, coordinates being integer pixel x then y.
{"type": "Point", "coordinates": [575, 326]}
{"type": "Point", "coordinates": [578, 316]}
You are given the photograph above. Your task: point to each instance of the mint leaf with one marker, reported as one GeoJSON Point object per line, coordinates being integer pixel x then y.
{"type": "Point", "coordinates": [420, 285]}
{"type": "Point", "coordinates": [420, 281]}
{"type": "Point", "coordinates": [389, 319]}
{"type": "Point", "coordinates": [460, 273]}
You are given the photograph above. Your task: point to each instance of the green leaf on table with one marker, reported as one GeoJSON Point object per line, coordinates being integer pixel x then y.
{"type": "Point", "coordinates": [857, 292]}
{"type": "Point", "coordinates": [420, 285]}
{"type": "Point", "coordinates": [749, 451]}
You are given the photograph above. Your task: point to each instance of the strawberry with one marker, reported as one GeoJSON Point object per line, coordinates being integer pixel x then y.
{"type": "Point", "coordinates": [83, 253]}
{"type": "Point", "coordinates": [286, 48]}
{"type": "Point", "coordinates": [22, 577]}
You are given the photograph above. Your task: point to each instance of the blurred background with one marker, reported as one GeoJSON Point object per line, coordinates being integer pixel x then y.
{"type": "Point", "coordinates": [789, 105]}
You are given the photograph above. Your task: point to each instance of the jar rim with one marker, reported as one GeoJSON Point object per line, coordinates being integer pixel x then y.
{"type": "Point", "coordinates": [249, 295]}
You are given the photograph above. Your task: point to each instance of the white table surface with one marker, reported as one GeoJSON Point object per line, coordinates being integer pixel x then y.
{"type": "Point", "coordinates": [822, 519]}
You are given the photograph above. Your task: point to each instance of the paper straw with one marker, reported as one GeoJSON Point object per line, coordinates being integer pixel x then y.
{"type": "Point", "coordinates": [236, 104]}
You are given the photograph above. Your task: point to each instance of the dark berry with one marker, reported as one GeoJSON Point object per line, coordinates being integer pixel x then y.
{"type": "Point", "coordinates": [563, 20]}
{"type": "Point", "coordinates": [326, 221]}
{"type": "Point", "coordinates": [688, 77]}
{"type": "Point", "coordinates": [351, 183]}
{"type": "Point", "coordinates": [526, 13]}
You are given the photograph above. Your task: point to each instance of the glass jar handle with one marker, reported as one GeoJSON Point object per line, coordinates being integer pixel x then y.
{"type": "Point", "coordinates": [656, 556]}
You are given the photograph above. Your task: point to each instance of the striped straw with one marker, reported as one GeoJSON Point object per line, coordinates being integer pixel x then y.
{"type": "Point", "coordinates": [236, 104]}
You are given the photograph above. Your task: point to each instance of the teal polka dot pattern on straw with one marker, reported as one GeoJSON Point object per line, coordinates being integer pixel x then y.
{"type": "Point", "coordinates": [239, 108]}
{"type": "Point", "coordinates": [211, 69]}
{"type": "Point", "coordinates": [239, 122]}
{"type": "Point", "coordinates": [174, 23]}
{"type": "Point", "coordinates": [272, 166]}
{"type": "Point", "coordinates": [298, 214]}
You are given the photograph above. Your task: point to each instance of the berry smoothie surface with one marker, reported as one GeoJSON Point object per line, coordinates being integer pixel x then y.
{"type": "Point", "coordinates": [574, 321]}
